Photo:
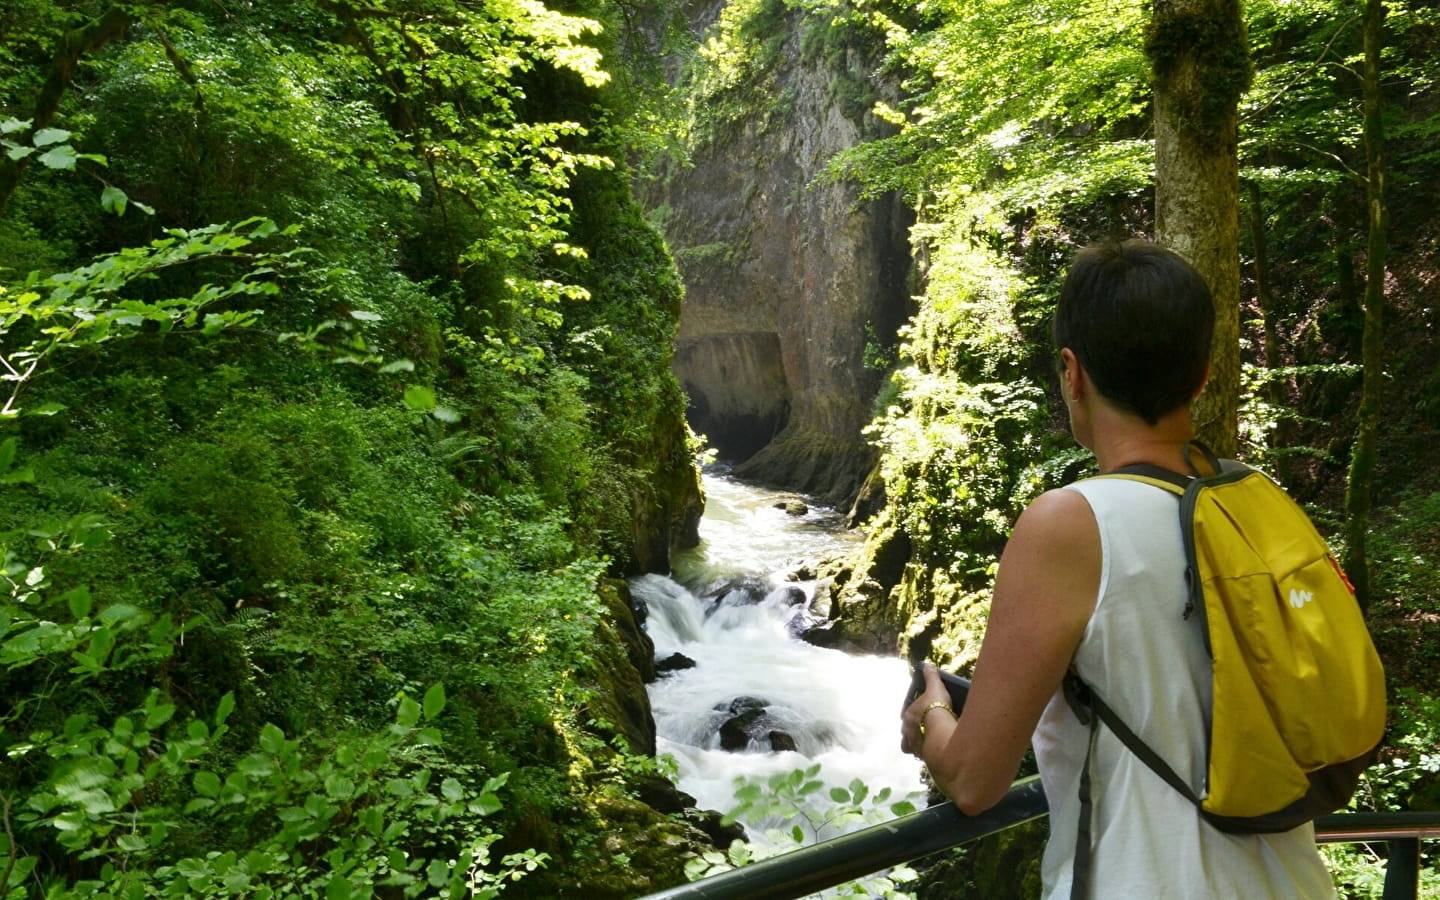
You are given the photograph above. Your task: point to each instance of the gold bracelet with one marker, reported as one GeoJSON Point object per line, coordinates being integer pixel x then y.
{"type": "Point", "coordinates": [938, 704]}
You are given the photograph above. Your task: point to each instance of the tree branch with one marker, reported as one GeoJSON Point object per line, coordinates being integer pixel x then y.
{"type": "Point", "coordinates": [181, 64]}
{"type": "Point", "coordinates": [73, 46]}
{"type": "Point", "coordinates": [1303, 76]}
{"type": "Point", "coordinates": [10, 839]}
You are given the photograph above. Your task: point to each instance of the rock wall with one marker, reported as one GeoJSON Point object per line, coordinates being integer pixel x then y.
{"type": "Point", "coordinates": [786, 278]}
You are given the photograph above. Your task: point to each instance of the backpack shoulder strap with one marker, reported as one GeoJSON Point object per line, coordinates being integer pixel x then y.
{"type": "Point", "coordinates": [1176, 482]}
{"type": "Point", "coordinates": [1091, 711]}
{"type": "Point", "coordinates": [1080, 696]}
{"type": "Point", "coordinates": [1162, 478]}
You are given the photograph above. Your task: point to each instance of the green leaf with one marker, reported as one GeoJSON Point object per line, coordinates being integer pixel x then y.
{"type": "Point", "coordinates": [372, 819]}
{"type": "Point", "coordinates": [420, 399]}
{"type": "Point", "coordinates": [364, 315]}
{"type": "Point", "coordinates": [272, 739]}
{"type": "Point", "coordinates": [859, 790]}
{"type": "Point", "coordinates": [434, 701]}
{"type": "Point", "coordinates": [79, 601]}
{"type": "Point", "coordinates": [7, 454]}
{"type": "Point", "coordinates": [226, 707]}
{"type": "Point", "coordinates": [61, 157]}
{"type": "Point", "coordinates": [120, 614]}
{"type": "Point", "coordinates": [339, 787]}
{"type": "Point", "coordinates": [339, 889]}
{"type": "Point", "coordinates": [47, 136]}
{"type": "Point", "coordinates": [131, 843]}
{"type": "Point", "coordinates": [113, 200]}
{"type": "Point", "coordinates": [10, 126]}
{"type": "Point", "coordinates": [408, 714]}
{"type": "Point", "coordinates": [437, 873]}
{"type": "Point", "coordinates": [451, 789]}
{"type": "Point", "coordinates": [256, 766]}
{"type": "Point", "coordinates": [840, 795]}
{"type": "Point", "coordinates": [85, 664]}
{"type": "Point", "coordinates": [445, 414]}
{"type": "Point", "coordinates": [22, 475]}
{"type": "Point", "coordinates": [207, 784]}
{"type": "Point", "coordinates": [157, 714]}
{"type": "Point", "coordinates": [21, 871]}
{"type": "Point", "coordinates": [397, 365]}
{"type": "Point", "coordinates": [123, 729]}
{"type": "Point", "coordinates": [486, 804]}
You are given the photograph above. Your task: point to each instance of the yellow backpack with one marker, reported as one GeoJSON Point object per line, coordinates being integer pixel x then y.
{"type": "Point", "coordinates": [1298, 689]}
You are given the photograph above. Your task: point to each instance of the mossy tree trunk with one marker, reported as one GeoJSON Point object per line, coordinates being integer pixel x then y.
{"type": "Point", "coordinates": [1358, 494]}
{"type": "Point", "coordinates": [1200, 63]}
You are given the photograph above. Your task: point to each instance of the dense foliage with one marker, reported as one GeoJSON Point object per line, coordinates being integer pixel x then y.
{"type": "Point", "coordinates": [336, 381]}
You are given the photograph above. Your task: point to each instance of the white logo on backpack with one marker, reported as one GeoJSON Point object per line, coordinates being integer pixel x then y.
{"type": "Point", "coordinates": [1298, 598]}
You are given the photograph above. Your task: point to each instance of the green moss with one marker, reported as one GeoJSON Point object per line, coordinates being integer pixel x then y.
{"type": "Point", "coordinates": [1004, 866]}
{"type": "Point", "coordinates": [1216, 45]}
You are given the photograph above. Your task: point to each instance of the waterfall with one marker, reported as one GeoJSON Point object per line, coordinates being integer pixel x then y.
{"type": "Point", "coordinates": [778, 703]}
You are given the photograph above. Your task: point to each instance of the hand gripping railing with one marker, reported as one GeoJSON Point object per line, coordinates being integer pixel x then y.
{"type": "Point", "coordinates": [908, 838]}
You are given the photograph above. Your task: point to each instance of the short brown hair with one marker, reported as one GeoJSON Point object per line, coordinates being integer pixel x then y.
{"type": "Point", "coordinates": [1140, 320]}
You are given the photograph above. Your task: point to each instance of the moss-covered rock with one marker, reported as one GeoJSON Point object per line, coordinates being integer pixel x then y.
{"type": "Point", "coordinates": [640, 851]}
{"type": "Point", "coordinates": [623, 655]}
{"type": "Point", "coordinates": [1003, 866]}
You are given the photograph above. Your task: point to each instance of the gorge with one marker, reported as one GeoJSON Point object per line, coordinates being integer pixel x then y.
{"type": "Point", "coordinates": [790, 277]}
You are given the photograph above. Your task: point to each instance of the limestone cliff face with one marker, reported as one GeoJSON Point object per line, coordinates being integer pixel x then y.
{"type": "Point", "coordinates": [786, 278]}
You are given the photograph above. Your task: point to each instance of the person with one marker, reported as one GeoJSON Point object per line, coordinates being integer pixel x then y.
{"type": "Point", "coordinates": [1093, 577]}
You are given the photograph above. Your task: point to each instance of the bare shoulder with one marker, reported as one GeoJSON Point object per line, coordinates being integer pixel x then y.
{"type": "Point", "coordinates": [1053, 556]}
{"type": "Point", "coordinates": [1058, 518]}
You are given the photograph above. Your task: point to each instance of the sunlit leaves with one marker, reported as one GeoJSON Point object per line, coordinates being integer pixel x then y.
{"type": "Point", "coordinates": [798, 799]}
{"type": "Point", "coordinates": [458, 77]}
{"type": "Point", "coordinates": [89, 305]}
{"type": "Point", "coordinates": [1005, 91]}
{"type": "Point", "coordinates": [51, 145]}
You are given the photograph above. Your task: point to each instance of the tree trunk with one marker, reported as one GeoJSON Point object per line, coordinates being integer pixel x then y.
{"type": "Point", "coordinates": [1200, 62]}
{"type": "Point", "coordinates": [1358, 493]}
{"type": "Point", "coordinates": [1276, 388]}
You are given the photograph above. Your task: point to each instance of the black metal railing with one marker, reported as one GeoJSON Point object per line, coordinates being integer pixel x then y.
{"type": "Point", "coordinates": [802, 872]}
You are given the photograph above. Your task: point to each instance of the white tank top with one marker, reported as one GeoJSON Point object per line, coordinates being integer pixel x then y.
{"type": "Point", "coordinates": [1149, 664]}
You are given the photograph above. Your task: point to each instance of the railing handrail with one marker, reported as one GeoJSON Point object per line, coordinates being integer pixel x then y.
{"type": "Point", "coordinates": [801, 872]}
{"type": "Point", "coordinates": [1358, 827]}
{"type": "Point", "coordinates": [864, 852]}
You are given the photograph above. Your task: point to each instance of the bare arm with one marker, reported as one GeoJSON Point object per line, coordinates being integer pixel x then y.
{"type": "Point", "coordinates": [1045, 591]}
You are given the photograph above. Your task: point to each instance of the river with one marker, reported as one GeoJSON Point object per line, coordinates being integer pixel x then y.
{"type": "Point", "coordinates": [729, 610]}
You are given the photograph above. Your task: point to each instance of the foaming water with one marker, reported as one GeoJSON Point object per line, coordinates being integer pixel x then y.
{"type": "Point", "coordinates": [744, 533]}
{"type": "Point", "coordinates": [730, 613]}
